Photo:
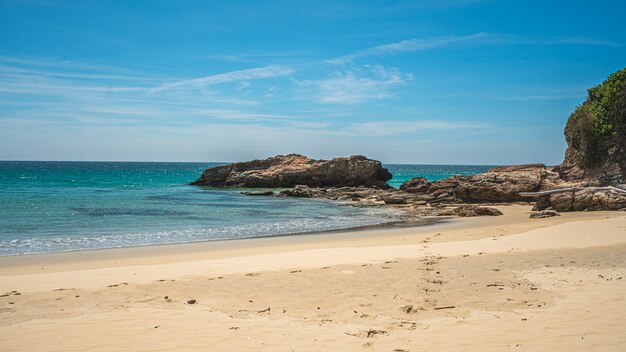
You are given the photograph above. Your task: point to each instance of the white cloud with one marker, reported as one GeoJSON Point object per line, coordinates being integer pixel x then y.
{"type": "Point", "coordinates": [356, 85]}
{"type": "Point", "coordinates": [227, 77]}
{"type": "Point", "coordinates": [408, 46]}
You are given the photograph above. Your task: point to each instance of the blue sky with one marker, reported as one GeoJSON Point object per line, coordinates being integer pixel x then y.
{"type": "Point", "coordinates": [446, 82]}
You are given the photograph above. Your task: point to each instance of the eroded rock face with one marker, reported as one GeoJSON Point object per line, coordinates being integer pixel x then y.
{"type": "Point", "coordinates": [585, 199]}
{"type": "Point", "coordinates": [294, 169]}
{"type": "Point", "coordinates": [610, 172]}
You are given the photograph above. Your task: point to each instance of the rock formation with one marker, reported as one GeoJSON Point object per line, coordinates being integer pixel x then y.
{"type": "Point", "coordinates": [294, 169]}
{"type": "Point", "coordinates": [580, 200]}
{"type": "Point", "coordinates": [498, 185]}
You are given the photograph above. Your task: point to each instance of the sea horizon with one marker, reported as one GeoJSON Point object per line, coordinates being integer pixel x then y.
{"type": "Point", "coordinates": [231, 162]}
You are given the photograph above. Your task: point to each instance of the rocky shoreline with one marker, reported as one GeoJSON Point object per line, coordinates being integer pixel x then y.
{"type": "Point", "coordinates": [462, 196]}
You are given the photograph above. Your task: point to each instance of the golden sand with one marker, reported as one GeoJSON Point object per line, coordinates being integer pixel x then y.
{"type": "Point", "coordinates": [483, 284]}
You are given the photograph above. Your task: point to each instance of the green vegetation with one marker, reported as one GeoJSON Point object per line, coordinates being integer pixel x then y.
{"type": "Point", "coordinates": [597, 128]}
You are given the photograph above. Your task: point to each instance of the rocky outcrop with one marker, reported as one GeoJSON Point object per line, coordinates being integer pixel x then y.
{"type": "Point", "coordinates": [498, 185]}
{"type": "Point", "coordinates": [581, 200]}
{"type": "Point", "coordinates": [294, 169]}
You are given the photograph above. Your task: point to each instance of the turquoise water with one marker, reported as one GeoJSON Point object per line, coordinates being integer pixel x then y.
{"type": "Point", "coordinates": [64, 206]}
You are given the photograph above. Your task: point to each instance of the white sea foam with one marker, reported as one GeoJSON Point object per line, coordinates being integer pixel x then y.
{"type": "Point", "coordinates": [261, 229]}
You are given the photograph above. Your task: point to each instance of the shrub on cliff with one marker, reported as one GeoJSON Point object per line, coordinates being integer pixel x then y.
{"type": "Point", "coordinates": [596, 130]}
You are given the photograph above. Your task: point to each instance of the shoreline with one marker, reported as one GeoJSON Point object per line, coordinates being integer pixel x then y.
{"type": "Point", "coordinates": [14, 261]}
{"type": "Point", "coordinates": [170, 253]}
{"type": "Point", "coordinates": [386, 225]}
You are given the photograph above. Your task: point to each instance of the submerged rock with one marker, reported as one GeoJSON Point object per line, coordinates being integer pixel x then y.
{"type": "Point", "coordinates": [258, 193]}
{"type": "Point", "coordinates": [294, 169]}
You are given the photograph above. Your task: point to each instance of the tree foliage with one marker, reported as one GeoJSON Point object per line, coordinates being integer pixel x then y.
{"type": "Point", "coordinates": [597, 128]}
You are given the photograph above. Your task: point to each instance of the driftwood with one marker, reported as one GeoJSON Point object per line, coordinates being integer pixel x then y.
{"type": "Point", "coordinates": [571, 189]}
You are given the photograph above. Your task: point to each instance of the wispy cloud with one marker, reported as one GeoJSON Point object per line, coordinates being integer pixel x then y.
{"type": "Point", "coordinates": [356, 85]}
{"type": "Point", "coordinates": [418, 44]}
{"type": "Point", "coordinates": [227, 77]}
{"type": "Point", "coordinates": [409, 45]}
{"type": "Point", "coordinates": [35, 90]}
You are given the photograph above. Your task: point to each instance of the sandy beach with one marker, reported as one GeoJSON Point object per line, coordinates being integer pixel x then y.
{"type": "Point", "coordinates": [480, 284]}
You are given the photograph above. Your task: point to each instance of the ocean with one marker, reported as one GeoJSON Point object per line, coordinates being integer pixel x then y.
{"type": "Point", "coordinates": [66, 206]}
